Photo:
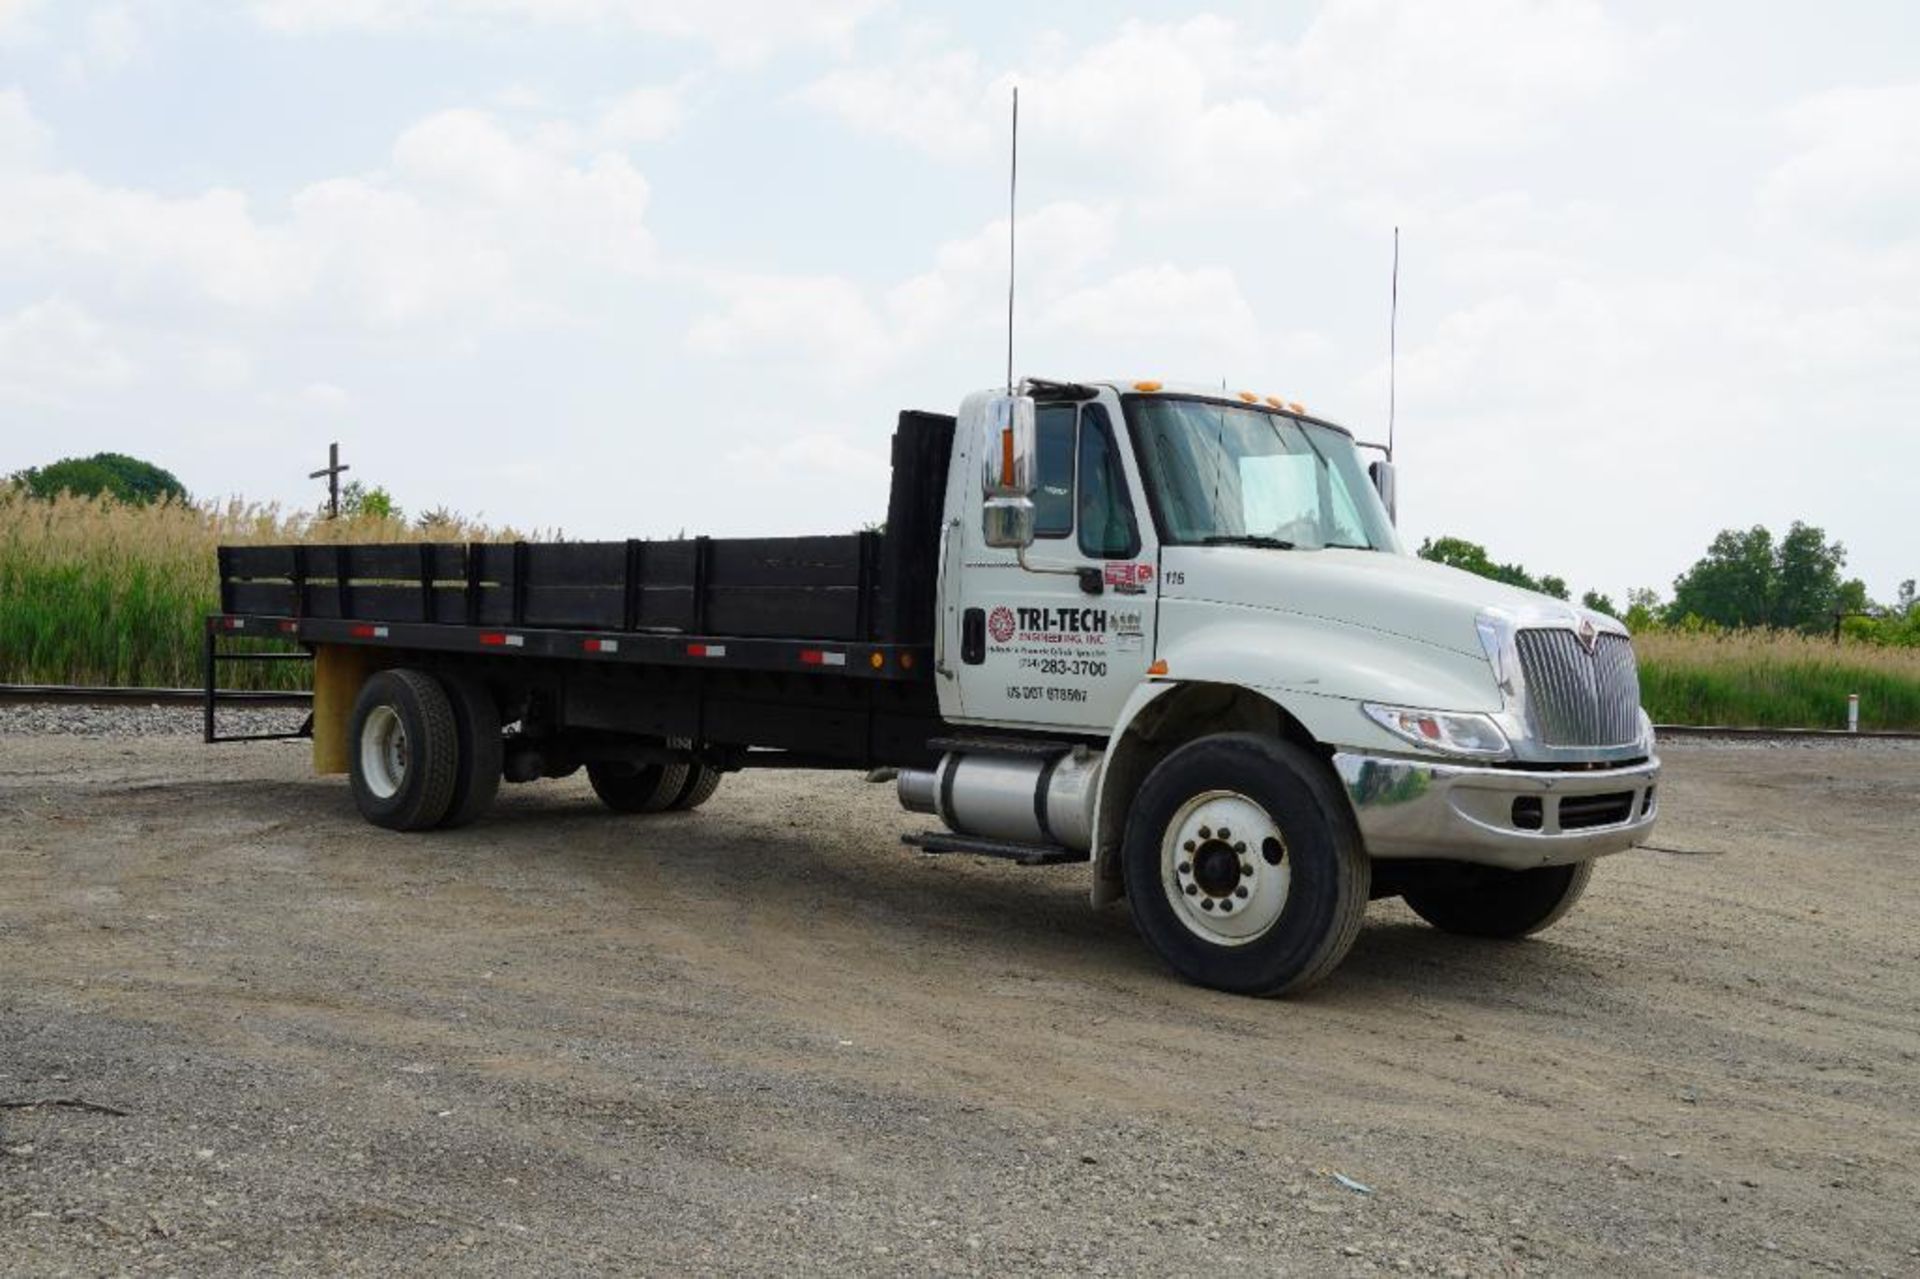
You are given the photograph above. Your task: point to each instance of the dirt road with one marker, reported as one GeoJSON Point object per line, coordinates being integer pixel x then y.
{"type": "Point", "coordinates": [766, 1037]}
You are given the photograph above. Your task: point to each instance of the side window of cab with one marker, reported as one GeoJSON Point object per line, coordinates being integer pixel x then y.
{"type": "Point", "coordinates": [1081, 487]}
{"type": "Point", "coordinates": [1106, 523]}
{"type": "Point", "coordinates": [1053, 488]}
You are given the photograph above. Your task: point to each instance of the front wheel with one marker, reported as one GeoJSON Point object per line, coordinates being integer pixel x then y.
{"type": "Point", "coordinates": [1243, 867]}
{"type": "Point", "coordinates": [1485, 901]}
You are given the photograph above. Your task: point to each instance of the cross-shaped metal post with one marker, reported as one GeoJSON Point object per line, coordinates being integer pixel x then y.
{"type": "Point", "coordinates": [332, 472]}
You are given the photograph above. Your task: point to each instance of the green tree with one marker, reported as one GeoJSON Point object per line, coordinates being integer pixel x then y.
{"type": "Point", "coordinates": [1599, 603]}
{"type": "Point", "coordinates": [1747, 578]}
{"type": "Point", "coordinates": [1644, 609]}
{"type": "Point", "coordinates": [1459, 553]}
{"type": "Point", "coordinates": [1732, 584]}
{"type": "Point", "coordinates": [372, 501]}
{"type": "Point", "coordinates": [115, 475]}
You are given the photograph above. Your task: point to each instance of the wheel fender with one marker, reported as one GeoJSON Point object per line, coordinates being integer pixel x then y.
{"type": "Point", "coordinates": [1160, 714]}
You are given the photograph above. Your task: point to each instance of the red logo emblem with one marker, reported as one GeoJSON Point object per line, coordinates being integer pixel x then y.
{"type": "Point", "coordinates": [1000, 624]}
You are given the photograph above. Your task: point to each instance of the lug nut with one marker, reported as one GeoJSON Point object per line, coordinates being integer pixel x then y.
{"type": "Point", "coordinates": [1191, 845]}
{"type": "Point", "coordinates": [1240, 892]}
{"type": "Point", "coordinates": [1185, 868]}
{"type": "Point", "coordinates": [1226, 906]}
{"type": "Point", "coordinates": [1207, 904]}
{"type": "Point", "coordinates": [1205, 833]}
{"type": "Point", "coordinates": [1246, 868]}
{"type": "Point", "coordinates": [1240, 846]}
{"type": "Point", "coordinates": [1225, 833]}
{"type": "Point", "coordinates": [1192, 889]}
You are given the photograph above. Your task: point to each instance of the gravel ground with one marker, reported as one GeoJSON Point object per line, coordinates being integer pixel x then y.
{"type": "Point", "coordinates": [765, 1037]}
{"type": "Point", "coordinates": [156, 720]}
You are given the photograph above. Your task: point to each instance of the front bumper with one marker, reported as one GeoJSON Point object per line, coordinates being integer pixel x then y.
{"type": "Point", "coordinates": [1462, 812]}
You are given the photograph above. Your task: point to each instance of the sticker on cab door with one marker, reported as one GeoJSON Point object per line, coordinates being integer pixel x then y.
{"type": "Point", "coordinates": [1128, 578]}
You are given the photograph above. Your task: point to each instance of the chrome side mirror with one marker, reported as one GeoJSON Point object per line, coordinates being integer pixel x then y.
{"type": "Point", "coordinates": [1383, 482]}
{"type": "Point", "coordinates": [1008, 461]}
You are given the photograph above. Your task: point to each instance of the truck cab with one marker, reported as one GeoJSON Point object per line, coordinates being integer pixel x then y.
{"type": "Point", "coordinates": [1181, 635]}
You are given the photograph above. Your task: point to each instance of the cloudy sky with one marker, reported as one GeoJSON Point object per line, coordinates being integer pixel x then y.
{"type": "Point", "coordinates": [624, 267]}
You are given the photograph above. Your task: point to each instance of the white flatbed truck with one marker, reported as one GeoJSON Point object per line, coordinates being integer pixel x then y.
{"type": "Point", "coordinates": [1167, 632]}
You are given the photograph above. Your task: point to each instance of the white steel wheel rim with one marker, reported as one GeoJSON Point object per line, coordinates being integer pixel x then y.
{"type": "Point", "coordinates": [384, 754]}
{"type": "Point", "coordinates": [1225, 869]}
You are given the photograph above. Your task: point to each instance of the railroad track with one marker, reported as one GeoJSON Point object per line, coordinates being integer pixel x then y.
{"type": "Point", "coordinates": [93, 695]}
{"type": "Point", "coordinates": [86, 695]}
{"type": "Point", "coordinates": [1781, 734]}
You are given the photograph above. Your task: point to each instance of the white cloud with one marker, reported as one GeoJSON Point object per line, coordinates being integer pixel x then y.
{"type": "Point", "coordinates": [738, 30]}
{"type": "Point", "coordinates": [646, 114]}
{"type": "Point", "coordinates": [16, 17]}
{"type": "Point", "coordinates": [222, 366]}
{"type": "Point", "coordinates": [815, 454]}
{"type": "Point", "coordinates": [825, 323]}
{"type": "Point", "coordinates": [1852, 173]}
{"type": "Point", "coordinates": [1160, 316]}
{"type": "Point", "coordinates": [845, 331]}
{"type": "Point", "coordinates": [936, 103]}
{"type": "Point", "coordinates": [325, 395]}
{"type": "Point", "coordinates": [23, 139]}
{"type": "Point", "coordinates": [110, 38]}
{"type": "Point", "coordinates": [471, 222]}
{"type": "Point", "coordinates": [53, 347]}
{"type": "Point", "coordinates": [1369, 90]}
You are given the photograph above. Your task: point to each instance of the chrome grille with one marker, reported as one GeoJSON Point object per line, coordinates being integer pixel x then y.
{"type": "Point", "coordinates": [1578, 698]}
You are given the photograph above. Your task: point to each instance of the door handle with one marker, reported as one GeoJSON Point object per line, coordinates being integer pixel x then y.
{"type": "Point", "coordinates": [941, 606]}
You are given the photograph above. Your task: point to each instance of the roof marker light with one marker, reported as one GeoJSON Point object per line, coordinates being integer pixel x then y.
{"type": "Point", "coordinates": [1249, 397]}
{"type": "Point", "coordinates": [1146, 386]}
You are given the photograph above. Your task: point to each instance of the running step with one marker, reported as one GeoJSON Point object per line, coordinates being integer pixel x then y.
{"type": "Point", "coordinates": [941, 841]}
{"type": "Point", "coordinates": [998, 746]}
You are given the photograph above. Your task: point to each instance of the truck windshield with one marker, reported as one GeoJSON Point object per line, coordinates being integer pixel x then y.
{"type": "Point", "coordinates": [1219, 473]}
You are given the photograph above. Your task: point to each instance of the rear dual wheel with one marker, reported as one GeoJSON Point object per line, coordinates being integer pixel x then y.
{"type": "Point", "coordinates": [654, 788]}
{"type": "Point", "coordinates": [425, 750]}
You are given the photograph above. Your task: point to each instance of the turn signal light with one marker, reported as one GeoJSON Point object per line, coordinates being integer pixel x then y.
{"type": "Point", "coordinates": [1159, 667]}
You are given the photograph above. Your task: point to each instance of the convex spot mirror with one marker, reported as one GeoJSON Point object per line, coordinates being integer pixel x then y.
{"type": "Point", "coordinates": [1007, 522]}
{"type": "Point", "coordinates": [1385, 483]}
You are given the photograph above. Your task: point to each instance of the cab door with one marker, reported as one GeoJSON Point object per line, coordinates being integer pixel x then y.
{"type": "Point", "coordinates": [1063, 641]}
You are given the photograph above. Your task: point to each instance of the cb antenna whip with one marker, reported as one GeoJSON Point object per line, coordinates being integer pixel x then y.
{"type": "Point", "coordinates": [1393, 339]}
{"type": "Point", "coordinates": [1013, 181]}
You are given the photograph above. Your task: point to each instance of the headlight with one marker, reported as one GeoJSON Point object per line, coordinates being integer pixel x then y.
{"type": "Point", "coordinates": [1449, 732]}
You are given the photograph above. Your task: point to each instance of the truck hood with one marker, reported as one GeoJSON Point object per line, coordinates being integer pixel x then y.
{"type": "Point", "coordinates": [1376, 590]}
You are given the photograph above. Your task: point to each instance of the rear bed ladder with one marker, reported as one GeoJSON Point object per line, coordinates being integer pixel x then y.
{"type": "Point", "coordinates": [211, 656]}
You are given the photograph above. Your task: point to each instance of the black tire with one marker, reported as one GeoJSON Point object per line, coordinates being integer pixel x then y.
{"type": "Point", "coordinates": [702, 782]}
{"type": "Point", "coordinates": [1485, 901]}
{"type": "Point", "coordinates": [1324, 888]}
{"type": "Point", "coordinates": [405, 785]}
{"type": "Point", "coordinates": [476, 721]}
{"type": "Point", "coordinates": [637, 788]}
